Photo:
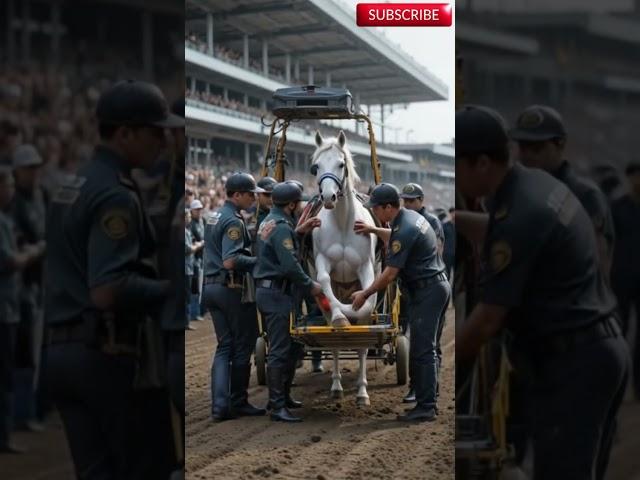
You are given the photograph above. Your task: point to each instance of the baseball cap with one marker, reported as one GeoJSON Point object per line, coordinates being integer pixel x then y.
{"type": "Point", "coordinates": [136, 103]}
{"type": "Point", "coordinates": [383, 194]}
{"type": "Point", "coordinates": [479, 129]}
{"type": "Point", "coordinates": [538, 123]}
{"type": "Point", "coordinates": [26, 156]}
{"type": "Point", "coordinates": [411, 190]}
{"type": "Point", "coordinates": [196, 204]}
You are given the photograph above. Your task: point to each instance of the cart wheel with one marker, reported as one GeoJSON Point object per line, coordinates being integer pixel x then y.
{"type": "Point", "coordinates": [402, 359]}
{"type": "Point", "coordinates": [261, 360]}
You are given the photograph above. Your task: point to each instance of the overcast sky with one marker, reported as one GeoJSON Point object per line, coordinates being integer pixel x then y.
{"type": "Point", "coordinates": [433, 47]}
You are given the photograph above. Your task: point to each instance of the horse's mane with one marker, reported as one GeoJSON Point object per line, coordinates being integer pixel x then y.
{"type": "Point", "coordinates": [327, 144]}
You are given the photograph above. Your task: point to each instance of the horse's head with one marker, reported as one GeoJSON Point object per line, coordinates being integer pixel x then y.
{"type": "Point", "coordinates": [332, 165]}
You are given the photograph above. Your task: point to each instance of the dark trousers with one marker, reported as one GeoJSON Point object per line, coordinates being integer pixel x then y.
{"type": "Point", "coordinates": [94, 395]}
{"type": "Point", "coordinates": [425, 309]}
{"type": "Point", "coordinates": [236, 327]}
{"type": "Point", "coordinates": [574, 400]}
{"type": "Point", "coordinates": [188, 279]}
{"type": "Point", "coordinates": [7, 358]}
{"type": "Point", "coordinates": [627, 290]}
{"type": "Point", "coordinates": [275, 308]}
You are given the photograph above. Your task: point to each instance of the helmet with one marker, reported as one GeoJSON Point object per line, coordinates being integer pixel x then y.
{"type": "Point", "coordinates": [286, 192]}
{"type": "Point", "coordinates": [298, 183]}
{"type": "Point", "coordinates": [538, 123]}
{"type": "Point", "coordinates": [383, 194]}
{"type": "Point", "coordinates": [136, 103]}
{"type": "Point", "coordinates": [267, 183]}
{"type": "Point", "coordinates": [412, 190]}
{"type": "Point", "coordinates": [242, 182]}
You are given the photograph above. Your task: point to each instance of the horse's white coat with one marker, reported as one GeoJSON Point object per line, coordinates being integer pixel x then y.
{"type": "Point", "coordinates": [340, 254]}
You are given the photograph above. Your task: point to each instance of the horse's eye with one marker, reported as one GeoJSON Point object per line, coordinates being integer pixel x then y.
{"type": "Point", "coordinates": [342, 165]}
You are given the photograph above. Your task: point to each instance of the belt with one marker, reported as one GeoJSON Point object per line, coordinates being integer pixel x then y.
{"type": "Point", "coordinates": [425, 282]}
{"type": "Point", "coordinates": [66, 333]}
{"type": "Point", "coordinates": [221, 280]}
{"type": "Point", "coordinates": [274, 283]}
{"type": "Point", "coordinates": [566, 341]}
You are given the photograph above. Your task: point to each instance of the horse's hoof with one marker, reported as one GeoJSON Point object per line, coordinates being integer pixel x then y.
{"type": "Point", "coordinates": [363, 401]}
{"type": "Point", "coordinates": [337, 394]}
{"type": "Point", "coordinates": [340, 322]}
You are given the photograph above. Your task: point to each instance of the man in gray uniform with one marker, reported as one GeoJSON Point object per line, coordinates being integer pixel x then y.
{"type": "Point", "coordinates": [227, 295]}
{"type": "Point", "coordinates": [101, 285]}
{"type": "Point", "coordinates": [412, 254]}
{"type": "Point", "coordinates": [278, 273]}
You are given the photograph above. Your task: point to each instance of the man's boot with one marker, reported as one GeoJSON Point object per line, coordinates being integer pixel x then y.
{"type": "Point", "coordinates": [290, 402]}
{"type": "Point", "coordinates": [410, 397]}
{"type": "Point", "coordinates": [220, 392]}
{"type": "Point", "coordinates": [279, 411]}
{"type": "Point", "coordinates": [239, 398]}
{"type": "Point", "coordinates": [424, 385]}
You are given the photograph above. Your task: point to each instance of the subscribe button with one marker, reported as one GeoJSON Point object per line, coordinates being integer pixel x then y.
{"type": "Point", "coordinates": [403, 14]}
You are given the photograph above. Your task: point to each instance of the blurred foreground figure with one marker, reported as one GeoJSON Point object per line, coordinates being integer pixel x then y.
{"type": "Point", "coordinates": [103, 287]}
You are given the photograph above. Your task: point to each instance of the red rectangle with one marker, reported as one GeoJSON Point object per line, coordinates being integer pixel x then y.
{"type": "Point", "coordinates": [404, 14]}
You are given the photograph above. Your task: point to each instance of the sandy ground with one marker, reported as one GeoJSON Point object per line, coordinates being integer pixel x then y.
{"type": "Point", "coordinates": [337, 440]}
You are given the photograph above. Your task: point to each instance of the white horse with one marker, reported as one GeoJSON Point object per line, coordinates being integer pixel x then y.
{"type": "Point", "coordinates": [342, 257]}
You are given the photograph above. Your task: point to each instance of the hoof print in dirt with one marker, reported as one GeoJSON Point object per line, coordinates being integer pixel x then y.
{"type": "Point", "coordinates": [316, 438]}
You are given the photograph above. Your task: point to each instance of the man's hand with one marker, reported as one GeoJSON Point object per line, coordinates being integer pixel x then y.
{"type": "Point", "coordinates": [307, 225]}
{"type": "Point", "coordinates": [363, 228]}
{"type": "Point", "coordinates": [358, 298]}
{"type": "Point", "coordinates": [316, 289]}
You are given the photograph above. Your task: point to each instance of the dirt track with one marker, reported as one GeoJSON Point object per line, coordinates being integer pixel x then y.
{"type": "Point", "coordinates": [336, 441]}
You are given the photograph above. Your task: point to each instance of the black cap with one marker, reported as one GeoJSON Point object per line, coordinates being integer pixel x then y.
{"type": "Point", "coordinates": [632, 168]}
{"type": "Point", "coordinates": [383, 194]}
{"type": "Point", "coordinates": [298, 183]}
{"type": "Point", "coordinates": [412, 190]}
{"type": "Point", "coordinates": [136, 103]}
{"type": "Point", "coordinates": [538, 123]}
{"type": "Point", "coordinates": [286, 192]}
{"type": "Point", "coordinates": [177, 107]}
{"type": "Point", "coordinates": [267, 183]}
{"type": "Point", "coordinates": [479, 129]}
{"type": "Point", "coordinates": [242, 182]}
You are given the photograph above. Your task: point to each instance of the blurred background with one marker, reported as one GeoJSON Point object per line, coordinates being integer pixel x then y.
{"type": "Point", "coordinates": [583, 59]}
{"type": "Point", "coordinates": [56, 57]}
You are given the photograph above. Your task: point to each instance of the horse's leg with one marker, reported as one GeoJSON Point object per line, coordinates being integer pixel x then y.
{"type": "Point", "coordinates": [362, 397]}
{"type": "Point", "coordinates": [336, 376]}
{"type": "Point", "coordinates": [323, 269]}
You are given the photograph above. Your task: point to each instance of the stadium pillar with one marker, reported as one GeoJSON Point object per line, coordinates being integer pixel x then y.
{"type": "Point", "coordinates": [210, 33]}
{"type": "Point", "coordinates": [247, 158]}
{"type": "Point", "coordinates": [26, 32]}
{"type": "Point", "coordinates": [287, 69]}
{"type": "Point", "coordinates": [56, 31]}
{"type": "Point", "coordinates": [246, 100]}
{"type": "Point", "coordinates": [382, 123]}
{"type": "Point", "coordinates": [225, 93]}
{"type": "Point", "coordinates": [310, 75]}
{"type": "Point", "coordinates": [193, 84]}
{"type": "Point", "coordinates": [296, 70]}
{"type": "Point", "coordinates": [147, 44]}
{"type": "Point", "coordinates": [245, 50]}
{"type": "Point", "coordinates": [10, 38]}
{"type": "Point", "coordinates": [265, 57]}
{"type": "Point", "coordinates": [357, 99]}
{"type": "Point", "coordinates": [328, 79]}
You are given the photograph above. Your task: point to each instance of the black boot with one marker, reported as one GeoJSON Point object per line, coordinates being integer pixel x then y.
{"type": "Point", "coordinates": [290, 402]}
{"type": "Point", "coordinates": [277, 403]}
{"type": "Point", "coordinates": [240, 407]}
{"type": "Point", "coordinates": [424, 383]}
{"type": "Point", "coordinates": [410, 397]}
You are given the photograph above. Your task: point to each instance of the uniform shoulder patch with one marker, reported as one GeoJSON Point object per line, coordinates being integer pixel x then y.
{"type": "Point", "coordinates": [116, 224]}
{"type": "Point", "coordinates": [234, 233]}
{"type": "Point", "coordinates": [422, 225]}
{"type": "Point", "coordinates": [396, 246]}
{"type": "Point", "coordinates": [266, 228]}
{"type": "Point", "coordinates": [287, 243]}
{"type": "Point", "coordinates": [213, 218]}
{"type": "Point", "coordinates": [500, 256]}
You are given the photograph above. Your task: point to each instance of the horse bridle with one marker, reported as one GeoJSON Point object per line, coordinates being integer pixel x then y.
{"type": "Point", "coordinates": [339, 181]}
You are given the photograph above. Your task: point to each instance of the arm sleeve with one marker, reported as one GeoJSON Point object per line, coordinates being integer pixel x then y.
{"type": "Point", "coordinates": [283, 244]}
{"type": "Point", "coordinates": [398, 249]}
{"type": "Point", "coordinates": [114, 239]}
{"type": "Point", "coordinates": [233, 246]}
{"type": "Point", "coordinates": [6, 250]}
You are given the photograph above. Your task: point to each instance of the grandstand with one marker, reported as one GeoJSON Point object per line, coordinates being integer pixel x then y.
{"type": "Point", "coordinates": [238, 53]}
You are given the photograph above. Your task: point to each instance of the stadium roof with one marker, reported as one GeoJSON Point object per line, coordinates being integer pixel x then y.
{"type": "Point", "coordinates": [498, 40]}
{"type": "Point", "coordinates": [322, 33]}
